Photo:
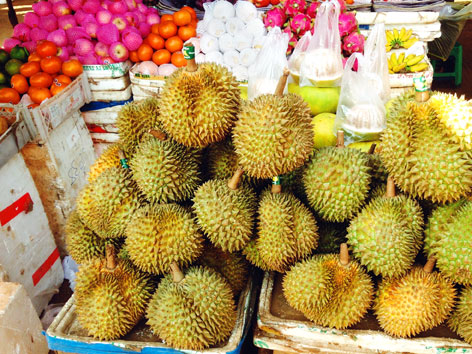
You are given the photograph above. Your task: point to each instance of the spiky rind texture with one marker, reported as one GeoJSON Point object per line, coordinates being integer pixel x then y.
{"type": "Point", "coordinates": [387, 235]}
{"type": "Point", "coordinates": [159, 235]}
{"type": "Point", "coordinates": [135, 120]}
{"type": "Point", "coordinates": [199, 108]}
{"type": "Point", "coordinates": [336, 182]}
{"type": "Point", "coordinates": [252, 254]}
{"type": "Point", "coordinates": [165, 171]}
{"type": "Point", "coordinates": [450, 243]}
{"type": "Point", "coordinates": [232, 266]}
{"type": "Point", "coordinates": [287, 231]}
{"type": "Point", "coordinates": [196, 313]}
{"type": "Point", "coordinates": [226, 216]}
{"type": "Point", "coordinates": [107, 204]}
{"type": "Point", "coordinates": [413, 303]}
{"type": "Point", "coordinates": [461, 320]}
{"type": "Point", "coordinates": [273, 135]}
{"type": "Point", "coordinates": [377, 168]}
{"type": "Point", "coordinates": [109, 158]}
{"type": "Point", "coordinates": [109, 303]}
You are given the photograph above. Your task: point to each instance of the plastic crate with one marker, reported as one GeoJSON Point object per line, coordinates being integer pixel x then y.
{"type": "Point", "coordinates": [109, 71]}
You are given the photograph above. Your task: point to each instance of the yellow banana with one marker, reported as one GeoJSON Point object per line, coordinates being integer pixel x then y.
{"type": "Point", "coordinates": [393, 59]}
{"type": "Point", "coordinates": [390, 66]}
{"type": "Point", "coordinates": [415, 60]}
{"type": "Point", "coordinates": [390, 71]}
{"type": "Point", "coordinates": [401, 58]}
{"type": "Point", "coordinates": [388, 48]}
{"type": "Point", "coordinates": [407, 35]}
{"type": "Point", "coordinates": [411, 56]}
{"type": "Point", "coordinates": [418, 67]}
{"type": "Point", "coordinates": [410, 42]}
{"type": "Point", "coordinates": [389, 36]}
{"type": "Point", "coordinates": [399, 67]}
{"type": "Point", "coordinates": [402, 34]}
{"type": "Point", "coordinates": [395, 34]}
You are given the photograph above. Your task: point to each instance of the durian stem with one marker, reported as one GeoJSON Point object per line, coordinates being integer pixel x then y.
{"type": "Point", "coordinates": [429, 266]}
{"type": "Point", "coordinates": [276, 185]}
{"type": "Point", "coordinates": [343, 254]}
{"type": "Point", "coordinates": [390, 187]}
{"type": "Point", "coordinates": [177, 275]}
{"type": "Point", "coordinates": [372, 149]}
{"type": "Point", "coordinates": [422, 96]}
{"type": "Point", "coordinates": [191, 63]}
{"type": "Point", "coordinates": [123, 159]}
{"type": "Point", "coordinates": [279, 91]}
{"type": "Point", "coordinates": [110, 257]}
{"type": "Point", "coordinates": [158, 134]}
{"type": "Point", "coordinates": [233, 183]}
{"type": "Point", "coordinates": [340, 139]}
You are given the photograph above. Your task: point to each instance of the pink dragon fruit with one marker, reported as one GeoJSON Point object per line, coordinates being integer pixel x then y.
{"type": "Point", "coordinates": [347, 23]}
{"type": "Point", "coordinates": [275, 17]}
{"type": "Point", "coordinates": [294, 7]}
{"type": "Point", "coordinates": [353, 43]}
{"type": "Point", "coordinates": [313, 9]}
{"type": "Point", "coordinates": [342, 6]}
{"type": "Point", "coordinates": [300, 24]}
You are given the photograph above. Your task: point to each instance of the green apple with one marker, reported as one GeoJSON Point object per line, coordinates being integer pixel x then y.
{"type": "Point", "coordinates": [363, 145]}
{"type": "Point", "coordinates": [320, 99]}
{"type": "Point", "coordinates": [323, 129]}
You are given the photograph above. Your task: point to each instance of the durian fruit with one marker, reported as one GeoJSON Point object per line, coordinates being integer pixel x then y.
{"type": "Point", "coordinates": [192, 311]}
{"type": "Point", "coordinates": [418, 301]}
{"type": "Point", "coordinates": [461, 319]}
{"type": "Point", "coordinates": [448, 239]}
{"type": "Point", "coordinates": [109, 158]}
{"type": "Point", "coordinates": [161, 234]}
{"type": "Point", "coordinates": [330, 290]}
{"type": "Point", "coordinates": [387, 235]}
{"type": "Point", "coordinates": [110, 296]}
{"type": "Point", "coordinates": [232, 266]}
{"type": "Point", "coordinates": [226, 212]}
{"type": "Point", "coordinates": [273, 135]}
{"type": "Point", "coordinates": [107, 204]}
{"type": "Point", "coordinates": [331, 237]}
{"type": "Point", "coordinates": [135, 120]}
{"type": "Point", "coordinates": [164, 170]}
{"type": "Point", "coordinates": [252, 254]}
{"type": "Point", "coordinates": [199, 105]}
{"type": "Point", "coordinates": [337, 181]}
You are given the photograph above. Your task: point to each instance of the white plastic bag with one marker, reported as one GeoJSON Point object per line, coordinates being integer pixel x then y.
{"type": "Point", "coordinates": [269, 66]}
{"type": "Point", "coordinates": [360, 112]}
{"type": "Point", "coordinates": [323, 65]}
{"type": "Point", "coordinates": [70, 270]}
{"type": "Point", "coordinates": [296, 59]}
{"type": "Point", "coordinates": [375, 59]}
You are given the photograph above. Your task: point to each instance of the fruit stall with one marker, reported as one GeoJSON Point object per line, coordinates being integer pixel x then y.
{"type": "Point", "coordinates": [232, 177]}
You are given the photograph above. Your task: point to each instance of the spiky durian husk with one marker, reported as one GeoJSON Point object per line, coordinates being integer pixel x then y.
{"type": "Point", "coordinates": [226, 216]}
{"type": "Point", "coordinates": [387, 235]}
{"type": "Point", "coordinates": [461, 319]}
{"type": "Point", "coordinates": [251, 252]}
{"type": "Point", "coordinates": [273, 135]}
{"type": "Point", "coordinates": [159, 235]}
{"type": "Point", "coordinates": [305, 230]}
{"type": "Point", "coordinates": [110, 303]}
{"type": "Point", "coordinates": [165, 171]}
{"type": "Point", "coordinates": [109, 158]}
{"type": "Point", "coordinates": [196, 313]}
{"type": "Point", "coordinates": [135, 120]}
{"type": "Point", "coordinates": [337, 182]}
{"type": "Point", "coordinates": [292, 182]}
{"type": "Point", "coordinates": [232, 266]}
{"type": "Point", "coordinates": [413, 303]}
{"type": "Point", "coordinates": [107, 204]}
{"type": "Point", "coordinates": [331, 237]}
{"type": "Point", "coordinates": [378, 171]}
{"type": "Point", "coordinates": [450, 243]}
{"type": "Point", "coordinates": [200, 108]}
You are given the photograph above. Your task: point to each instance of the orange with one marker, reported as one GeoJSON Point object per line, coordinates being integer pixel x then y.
{"type": "Point", "coordinates": [187, 32]}
{"type": "Point", "coordinates": [41, 80]}
{"type": "Point", "coordinates": [72, 68]}
{"type": "Point", "coordinates": [167, 29]}
{"type": "Point", "coordinates": [178, 59]}
{"type": "Point", "coordinates": [39, 94]}
{"type": "Point", "coordinates": [194, 23]}
{"type": "Point", "coordinates": [155, 28]}
{"type": "Point", "coordinates": [30, 68]}
{"type": "Point", "coordinates": [167, 17]}
{"type": "Point", "coordinates": [46, 49]}
{"type": "Point", "coordinates": [191, 11]}
{"type": "Point", "coordinates": [19, 83]}
{"type": "Point", "coordinates": [34, 57]}
{"type": "Point", "coordinates": [160, 57]}
{"type": "Point", "coordinates": [145, 52]}
{"type": "Point", "coordinates": [133, 56]}
{"type": "Point", "coordinates": [9, 95]}
{"type": "Point", "coordinates": [182, 17]}
{"type": "Point", "coordinates": [155, 41]}
{"type": "Point", "coordinates": [174, 44]}
{"type": "Point", "coordinates": [62, 80]}
{"type": "Point", "coordinates": [51, 65]}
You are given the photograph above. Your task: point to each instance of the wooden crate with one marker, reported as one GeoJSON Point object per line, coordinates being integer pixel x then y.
{"type": "Point", "coordinates": [281, 328]}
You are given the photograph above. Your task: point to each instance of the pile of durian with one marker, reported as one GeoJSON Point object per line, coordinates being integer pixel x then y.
{"type": "Point", "coordinates": [202, 184]}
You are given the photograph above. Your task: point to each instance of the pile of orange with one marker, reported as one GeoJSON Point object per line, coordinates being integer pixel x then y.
{"type": "Point", "coordinates": [165, 42]}
{"type": "Point", "coordinates": [43, 76]}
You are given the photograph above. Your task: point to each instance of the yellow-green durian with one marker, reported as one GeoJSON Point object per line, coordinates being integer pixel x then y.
{"type": "Point", "coordinates": [109, 158]}
{"type": "Point", "coordinates": [252, 254]}
{"type": "Point", "coordinates": [461, 319]}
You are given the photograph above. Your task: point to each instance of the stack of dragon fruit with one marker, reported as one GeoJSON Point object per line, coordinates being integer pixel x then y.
{"type": "Point", "coordinates": [296, 17]}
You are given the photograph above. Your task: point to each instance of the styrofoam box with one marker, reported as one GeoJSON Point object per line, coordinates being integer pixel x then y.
{"type": "Point", "coordinates": [116, 84]}
{"type": "Point", "coordinates": [406, 79]}
{"type": "Point", "coordinates": [397, 18]}
{"type": "Point", "coordinates": [109, 71]}
{"type": "Point", "coordinates": [107, 96]}
{"type": "Point", "coordinates": [28, 252]}
{"type": "Point", "coordinates": [66, 335]}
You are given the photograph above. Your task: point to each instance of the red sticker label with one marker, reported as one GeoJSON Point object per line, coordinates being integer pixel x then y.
{"type": "Point", "coordinates": [25, 203]}
{"type": "Point", "coordinates": [43, 269]}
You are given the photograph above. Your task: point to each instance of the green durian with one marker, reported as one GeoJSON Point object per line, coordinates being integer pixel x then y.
{"type": "Point", "coordinates": [109, 158]}
{"type": "Point", "coordinates": [252, 254]}
{"type": "Point", "coordinates": [200, 107]}
{"type": "Point", "coordinates": [160, 235]}
{"type": "Point", "coordinates": [461, 319]}
{"type": "Point", "coordinates": [195, 311]}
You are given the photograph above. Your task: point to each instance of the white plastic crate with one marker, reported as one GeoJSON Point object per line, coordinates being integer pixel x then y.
{"type": "Point", "coordinates": [114, 84]}
{"type": "Point", "coordinates": [108, 96]}
{"type": "Point", "coordinates": [109, 71]}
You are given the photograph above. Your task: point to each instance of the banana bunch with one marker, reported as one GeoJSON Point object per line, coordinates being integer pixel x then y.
{"type": "Point", "coordinates": [402, 39]}
{"type": "Point", "coordinates": [410, 64]}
